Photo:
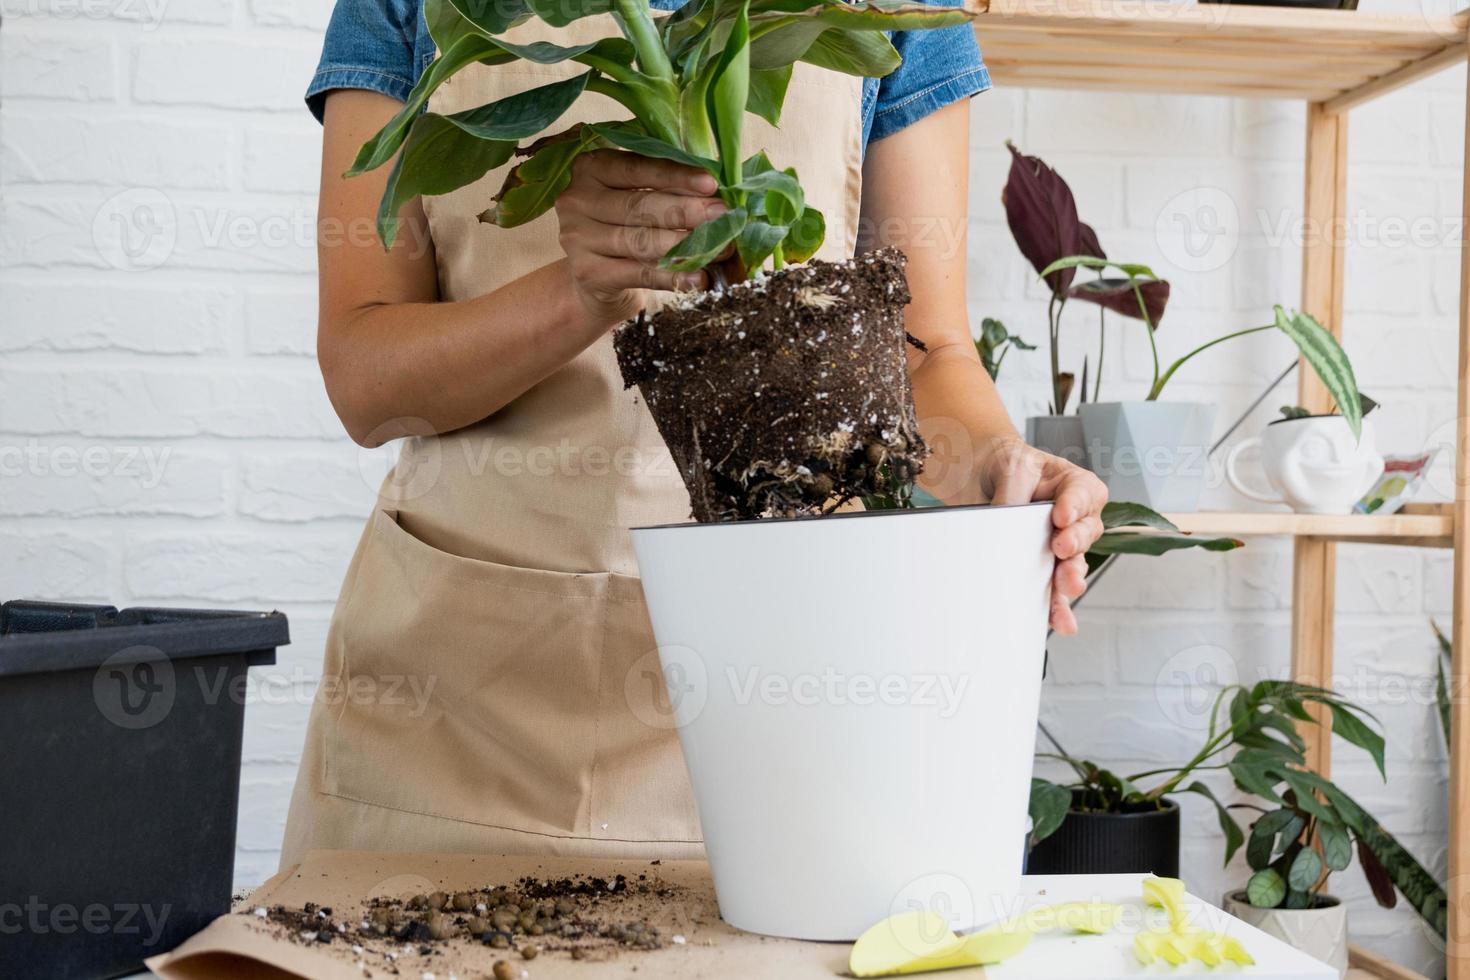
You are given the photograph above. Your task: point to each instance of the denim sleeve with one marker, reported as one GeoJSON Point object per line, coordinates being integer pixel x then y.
{"type": "Point", "coordinates": [939, 67]}
{"type": "Point", "coordinates": [370, 44]}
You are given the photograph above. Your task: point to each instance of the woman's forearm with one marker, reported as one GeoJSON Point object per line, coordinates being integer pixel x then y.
{"type": "Point", "coordinates": [393, 369]}
{"type": "Point", "coordinates": [962, 418]}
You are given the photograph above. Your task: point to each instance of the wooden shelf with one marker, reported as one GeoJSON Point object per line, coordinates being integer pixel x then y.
{"type": "Point", "coordinates": [1363, 965]}
{"type": "Point", "coordinates": [1425, 527]}
{"type": "Point", "coordinates": [1337, 57]}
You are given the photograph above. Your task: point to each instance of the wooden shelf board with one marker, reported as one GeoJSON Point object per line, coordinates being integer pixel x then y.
{"type": "Point", "coordinates": [1337, 57]}
{"type": "Point", "coordinates": [1434, 529]}
{"type": "Point", "coordinates": [1363, 965]}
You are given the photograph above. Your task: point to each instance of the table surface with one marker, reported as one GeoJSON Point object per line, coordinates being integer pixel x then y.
{"type": "Point", "coordinates": [714, 949]}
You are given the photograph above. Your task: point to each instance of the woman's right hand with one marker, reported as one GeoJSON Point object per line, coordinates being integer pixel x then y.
{"type": "Point", "coordinates": [618, 217]}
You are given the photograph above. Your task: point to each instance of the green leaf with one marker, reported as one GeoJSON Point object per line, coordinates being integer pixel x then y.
{"type": "Point", "coordinates": [705, 243]}
{"type": "Point", "coordinates": [560, 13]}
{"type": "Point", "coordinates": [781, 42]}
{"type": "Point", "coordinates": [629, 136]}
{"type": "Point", "coordinates": [1346, 723]}
{"type": "Point", "coordinates": [783, 198]}
{"type": "Point", "coordinates": [545, 53]}
{"type": "Point", "coordinates": [1337, 846]}
{"type": "Point", "coordinates": [757, 240]}
{"type": "Point", "coordinates": [805, 236]}
{"type": "Point", "coordinates": [1379, 851]}
{"type": "Point", "coordinates": [532, 187]}
{"type": "Point", "coordinates": [875, 16]}
{"type": "Point", "coordinates": [446, 24]}
{"type": "Point", "coordinates": [1305, 869]}
{"type": "Point", "coordinates": [1261, 847]}
{"type": "Point", "coordinates": [1234, 837]}
{"type": "Point", "coordinates": [1130, 269]}
{"type": "Point", "coordinates": [437, 158]}
{"type": "Point", "coordinates": [1135, 543]}
{"type": "Point", "coordinates": [865, 54]}
{"type": "Point", "coordinates": [1326, 357]}
{"type": "Point", "coordinates": [466, 51]}
{"type": "Point", "coordinates": [768, 92]}
{"type": "Point", "coordinates": [1121, 513]}
{"type": "Point", "coordinates": [1296, 899]}
{"type": "Point", "coordinates": [1048, 808]}
{"type": "Point", "coordinates": [490, 16]}
{"type": "Point", "coordinates": [524, 114]}
{"type": "Point", "coordinates": [1266, 889]}
{"type": "Point", "coordinates": [1441, 685]}
{"type": "Point", "coordinates": [728, 93]}
{"type": "Point", "coordinates": [756, 163]}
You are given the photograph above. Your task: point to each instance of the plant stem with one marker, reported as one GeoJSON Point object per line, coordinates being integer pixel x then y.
{"type": "Point", "coordinates": [657, 113]}
{"type": "Point", "coordinates": [1053, 317]}
{"type": "Point", "coordinates": [1159, 382]}
{"type": "Point", "coordinates": [607, 66]}
{"type": "Point", "coordinates": [1153, 343]}
{"type": "Point", "coordinates": [1101, 339]}
{"type": "Point", "coordinates": [639, 28]}
{"type": "Point", "coordinates": [778, 259]}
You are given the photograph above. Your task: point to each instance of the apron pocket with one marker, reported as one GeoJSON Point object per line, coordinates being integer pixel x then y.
{"type": "Point", "coordinates": [469, 689]}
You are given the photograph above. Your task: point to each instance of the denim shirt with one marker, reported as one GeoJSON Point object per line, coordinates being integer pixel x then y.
{"type": "Point", "coordinates": [384, 45]}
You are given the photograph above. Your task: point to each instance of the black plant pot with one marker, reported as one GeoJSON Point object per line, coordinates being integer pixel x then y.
{"type": "Point", "coordinates": [1143, 839]}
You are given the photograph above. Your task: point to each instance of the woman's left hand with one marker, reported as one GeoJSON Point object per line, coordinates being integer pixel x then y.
{"type": "Point", "coordinates": [1015, 473]}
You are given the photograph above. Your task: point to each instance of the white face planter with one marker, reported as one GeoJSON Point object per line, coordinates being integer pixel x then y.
{"type": "Point", "coordinates": [856, 697]}
{"type": "Point", "coordinates": [1314, 464]}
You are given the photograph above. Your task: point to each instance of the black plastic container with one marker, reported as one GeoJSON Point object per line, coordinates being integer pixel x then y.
{"type": "Point", "coordinates": [119, 779]}
{"type": "Point", "coordinates": [1111, 843]}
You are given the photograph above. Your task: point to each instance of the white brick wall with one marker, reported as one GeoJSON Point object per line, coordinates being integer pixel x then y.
{"type": "Point", "coordinates": [176, 445]}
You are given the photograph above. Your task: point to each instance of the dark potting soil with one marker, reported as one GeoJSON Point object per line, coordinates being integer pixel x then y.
{"type": "Point", "coordinates": [785, 395]}
{"type": "Point", "coordinates": [472, 933]}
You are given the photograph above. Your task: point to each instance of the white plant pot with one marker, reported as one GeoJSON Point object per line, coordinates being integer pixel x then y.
{"type": "Point", "coordinates": [1060, 435]}
{"type": "Point", "coordinates": [1320, 932]}
{"type": "Point", "coordinates": [856, 697]}
{"type": "Point", "coordinates": [1151, 453]}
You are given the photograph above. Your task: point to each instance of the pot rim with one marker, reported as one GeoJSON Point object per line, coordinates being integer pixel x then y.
{"type": "Point", "coordinates": [1143, 401]}
{"type": "Point", "coordinates": [1326, 901]}
{"type": "Point", "coordinates": [1307, 418]}
{"type": "Point", "coordinates": [1170, 806]}
{"type": "Point", "coordinates": [847, 515]}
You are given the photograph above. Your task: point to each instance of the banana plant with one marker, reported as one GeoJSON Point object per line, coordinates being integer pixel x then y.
{"type": "Point", "coordinates": [687, 79]}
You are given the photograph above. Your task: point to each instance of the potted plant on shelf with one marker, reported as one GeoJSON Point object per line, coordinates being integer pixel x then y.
{"type": "Point", "coordinates": [1311, 828]}
{"type": "Point", "coordinates": [1150, 451]}
{"type": "Point", "coordinates": [1042, 215]}
{"type": "Point", "coordinates": [1308, 828]}
{"type": "Point", "coordinates": [1314, 463]}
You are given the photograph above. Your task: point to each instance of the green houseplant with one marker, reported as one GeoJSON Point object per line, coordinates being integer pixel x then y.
{"type": "Point", "coordinates": [1307, 825]}
{"type": "Point", "coordinates": [1149, 450]}
{"type": "Point", "coordinates": [685, 82]}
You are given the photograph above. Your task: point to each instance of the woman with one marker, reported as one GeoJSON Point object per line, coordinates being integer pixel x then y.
{"type": "Point", "coordinates": [491, 678]}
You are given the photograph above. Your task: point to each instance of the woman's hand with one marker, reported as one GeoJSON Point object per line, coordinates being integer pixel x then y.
{"type": "Point", "coordinates": [1015, 473]}
{"type": "Point", "coordinates": [618, 217]}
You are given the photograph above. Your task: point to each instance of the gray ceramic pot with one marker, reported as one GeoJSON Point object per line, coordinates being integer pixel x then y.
{"type": "Point", "coordinates": [1151, 453]}
{"type": "Point", "coordinates": [1060, 435]}
{"type": "Point", "coordinates": [1320, 932]}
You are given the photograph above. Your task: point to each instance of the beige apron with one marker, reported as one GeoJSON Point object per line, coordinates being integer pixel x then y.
{"type": "Point", "coordinates": [491, 682]}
